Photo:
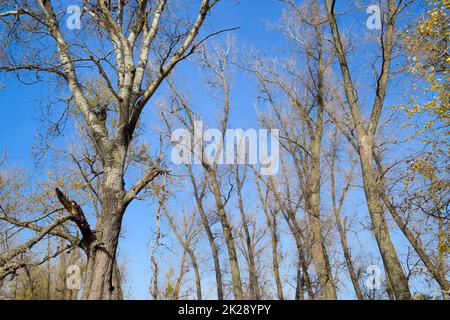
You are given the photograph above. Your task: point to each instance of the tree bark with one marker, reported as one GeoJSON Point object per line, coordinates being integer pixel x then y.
{"type": "Point", "coordinates": [102, 252]}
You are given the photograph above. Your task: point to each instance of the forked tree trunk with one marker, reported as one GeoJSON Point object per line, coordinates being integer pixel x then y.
{"type": "Point", "coordinates": [298, 237]}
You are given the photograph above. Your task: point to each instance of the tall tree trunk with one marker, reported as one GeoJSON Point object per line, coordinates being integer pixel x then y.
{"type": "Point", "coordinates": [312, 200]}
{"type": "Point", "coordinates": [337, 208]}
{"type": "Point", "coordinates": [102, 254]}
{"type": "Point", "coordinates": [228, 235]}
{"type": "Point", "coordinates": [154, 290]}
{"type": "Point", "coordinates": [198, 283]}
{"type": "Point", "coordinates": [348, 257]}
{"type": "Point", "coordinates": [99, 272]}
